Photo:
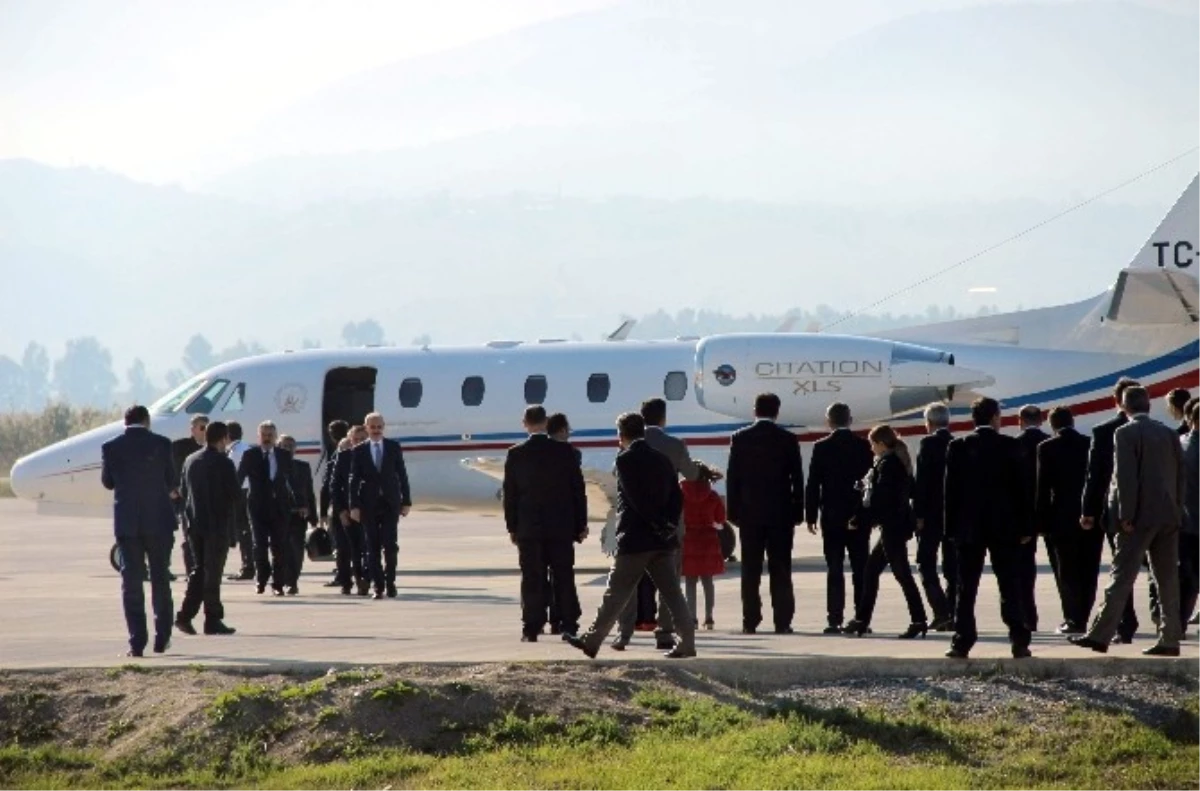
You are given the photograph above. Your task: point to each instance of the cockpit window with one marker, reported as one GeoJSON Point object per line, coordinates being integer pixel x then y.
{"type": "Point", "coordinates": [204, 403]}
{"type": "Point", "coordinates": [237, 399]}
{"type": "Point", "coordinates": [177, 397]}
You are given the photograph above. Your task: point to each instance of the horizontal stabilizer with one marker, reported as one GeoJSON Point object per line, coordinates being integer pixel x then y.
{"type": "Point", "coordinates": [1153, 296]}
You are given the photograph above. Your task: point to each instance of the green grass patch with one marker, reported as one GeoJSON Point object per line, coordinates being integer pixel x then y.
{"type": "Point", "coordinates": [129, 667]}
{"type": "Point", "coordinates": [6, 488]}
{"type": "Point", "coordinates": [303, 691]}
{"type": "Point", "coordinates": [396, 692]}
{"type": "Point", "coordinates": [354, 676]}
{"type": "Point", "coordinates": [232, 703]}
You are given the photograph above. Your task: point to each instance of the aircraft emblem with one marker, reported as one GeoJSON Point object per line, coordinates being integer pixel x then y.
{"type": "Point", "coordinates": [726, 374]}
{"type": "Point", "coordinates": [290, 398]}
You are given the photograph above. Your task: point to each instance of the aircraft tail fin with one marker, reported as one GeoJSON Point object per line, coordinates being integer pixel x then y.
{"type": "Point", "coordinates": [1173, 245]}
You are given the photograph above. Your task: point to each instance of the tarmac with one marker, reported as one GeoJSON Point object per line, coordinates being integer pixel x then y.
{"type": "Point", "coordinates": [60, 607]}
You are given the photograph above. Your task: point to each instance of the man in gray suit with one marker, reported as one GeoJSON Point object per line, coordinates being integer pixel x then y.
{"type": "Point", "coordinates": [1149, 481]}
{"type": "Point", "coordinates": [654, 413]}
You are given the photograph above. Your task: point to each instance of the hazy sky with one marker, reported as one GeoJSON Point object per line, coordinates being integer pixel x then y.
{"type": "Point", "coordinates": [155, 88]}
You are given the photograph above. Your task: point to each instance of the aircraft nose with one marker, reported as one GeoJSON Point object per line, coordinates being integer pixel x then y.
{"type": "Point", "coordinates": [21, 479]}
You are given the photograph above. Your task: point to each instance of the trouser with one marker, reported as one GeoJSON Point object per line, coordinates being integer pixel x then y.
{"type": "Point", "coordinates": [1078, 552]}
{"type": "Point", "coordinates": [929, 540]}
{"type": "Point", "coordinates": [139, 553]}
{"type": "Point", "coordinates": [889, 551]}
{"type": "Point", "coordinates": [775, 543]}
{"type": "Point", "coordinates": [245, 536]}
{"type": "Point", "coordinates": [710, 596]}
{"type": "Point", "coordinates": [646, 600]}
{"type": "Point", "coordinates": [1005, 565]}
{"type": "Point", "coordinates": [185, 544]}
{"type": "Point", "coordinates": [382, 530]}
{"type": "Point", "coordinates": [204, 583]}
{"type": "Point", "coordinates": [553, 611]}
{"type": "Point", "coordinates": [1027, 568]}
{"type": "Point", "coordinates": [837, 541]}
{"type": "Point", "coordinates": [539, 558]}
{"type": "Point", "coordinates": [272, 558]}
{"type": "Point", "coordinates": [1189, 574]}
{"type": "Point", "coordinates": [626, 570]}
{"type": "Point", "coordinates": [349, 540]}
{"type": "Point", "coordinates": [1161, 543]}
{"type": "Point", "coordinates": [297, 530]}
{"type": "Point", "coordinates": [1128, 625]}
{"type": "Point", "coordinates": [646, 607]}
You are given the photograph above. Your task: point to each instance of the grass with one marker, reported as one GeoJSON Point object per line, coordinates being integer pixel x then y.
{"type": "Point", "coordinates": [684, 742]}
{"type": "Point", "coordinates": [396, 692]}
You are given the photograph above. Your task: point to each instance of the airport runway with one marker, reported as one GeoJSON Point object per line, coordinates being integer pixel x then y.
{"type": "Point", "coordinates": [60, 606]}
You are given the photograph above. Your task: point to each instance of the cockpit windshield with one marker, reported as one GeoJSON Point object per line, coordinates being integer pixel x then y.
{"type": "Point", "coordinates": [177, 397]}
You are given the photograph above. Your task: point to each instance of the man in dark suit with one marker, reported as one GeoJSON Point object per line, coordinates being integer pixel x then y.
{"type": "Point", "coordinates": [137, 468]}
{"type": "Point", "coordinates": [379, 496]}
{"type": "Point", "coordinates": [839, 461]}
{"type": "Point", "coordinates": [337, 430]}
{"type": "Point", "coordinates": [303, 513]}
{"type": "Point", "coordinates": [765, 490]}
{"type": "Point", "coordinates": [1177, 401]}
{"type": "Point", "coordinates": [1147, 503]}
{"type": "Point", "coordinates": [269, 470]}
{"type": "Point", "coordinates": [545, 511]}
{"type": "Point", "coordinates": [648, 503]}
{"type": "Point", "coordinates": [1074, 552]}
{"type": "Point", "coordinates": [1095, 494]}
{"type": "Point", "coordinates": [208, 488]}
{"type": "Point", "coordinates": [1189, 535]}
{"type": "Point", "coordinates": [928, 501]}
{"type": "Point", "coordinates": [348, 534]}
{"type": "Point", "coordinates": [180, 450]}
{"type": "Point", "coordinates": [1031, 419]}
{"type": "Point", "coordinates": [985, 505]}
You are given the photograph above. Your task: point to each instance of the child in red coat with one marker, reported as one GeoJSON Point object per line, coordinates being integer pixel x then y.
{"type": "Point", "coordinates": [703, 516]}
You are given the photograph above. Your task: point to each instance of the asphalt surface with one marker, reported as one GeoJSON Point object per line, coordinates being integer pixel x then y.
{"type": "Point", "coordinates": [60, 606]}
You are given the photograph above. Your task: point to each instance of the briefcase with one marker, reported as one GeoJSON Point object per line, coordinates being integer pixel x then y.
{"type": "Point", "coordinates": [318, 545]}
{"type": "Point", "coordinates": [728, 540]}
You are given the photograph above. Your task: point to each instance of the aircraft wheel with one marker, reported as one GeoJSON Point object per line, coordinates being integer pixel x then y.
{"type": "Point", "coordinates": [114, 557]}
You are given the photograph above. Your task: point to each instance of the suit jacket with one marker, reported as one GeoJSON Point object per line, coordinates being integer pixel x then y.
{"type": "Point", "coordinates": [1100, 469]}
{"type": "Point", "coordinates": [1149, 482]}
{"type": "Point", "coordinates": [180, 450]}
{"type": "Point", "coordinates": [674, 449]}
{"type": "Point", "coordinates": [137, 467]}
{"type": "Point", "coordinates": [544, 494]}
{"type": "Point", "coordinates": [268, 498]}
{"type": "Point", "coordinates": [839, 461]}
{"type": "Point", "coordinates": [887, 504]}
{"type": "Point", "coordinates": [984, 489]}
{"type": "Point", "coordinates": [302, 489]}
{"type": "Point", "coordinates": [929, 484]}
{"type": "Point", "coordinates": [370, 487]}
{"type": "Point", "coordinates": [765, 480]}
{"type": "Point", "coordinates": [1191, 499]}
{"type": "Point", "coordinates": [209, 491]}
{"type": "Point", "coordinates": [648, 495]}
{"type": "Point", "coordinates": [327, 483]}
{"type": "Point", "coordinates": [339, 484]}
{"type": "Point", "coordinates": [1028, 440]}
{"type": "Point", "coordinates": [1062, 464]}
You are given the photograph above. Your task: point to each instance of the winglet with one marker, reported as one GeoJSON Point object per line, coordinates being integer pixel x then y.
{"type": "Point", "coordinates": [622, 332]}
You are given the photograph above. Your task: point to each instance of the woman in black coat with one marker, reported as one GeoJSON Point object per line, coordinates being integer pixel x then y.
{"type": "Point", "coordinates": [886, 492]}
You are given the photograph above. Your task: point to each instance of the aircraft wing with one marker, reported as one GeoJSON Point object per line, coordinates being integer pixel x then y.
{"type": "Point", "coordinates": [598, 480]}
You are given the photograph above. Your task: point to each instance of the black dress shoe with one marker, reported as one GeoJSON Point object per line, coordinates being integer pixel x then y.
{"type": "Point", "coordinates": [276, 591]}
{"type": "Point", "coordinates": [679, 652]}
{"type": "Point", "coordinates": [664, 644]}
{"type": "Point", "coordinates": [391, 592]}
{"type": "Point", "coordinates": [377, 596]}
{"type": "Point", "coordinates": [555, 629]}
{"type": "Point", "coordinates": [831, 629]}
{"type": "Point", "coordinates": [1083, 641]}
{"type": "Point", "coordinates": [346, 590]}
{"type": "Point", "coordinates": [332, 584]}
{"type": "Point", "coordinates": [944, 624]}
{"type": "Point", "coordinates": [184, 625]}
{"type": "Point", "coordinates": [160, 646]}
{"type": "Point", "coordinates": [218, 627]}
{"type": "Point", "coordinates": [784, 630]}
{"type": "Point", "coordinates": [1068, 628]}
{"type": "Point", "coordinates": [1121, 640]}
{"type": "Point", "coordinates": [749, 630]}
{"type": "Point", "coordinates": [1161, 650]}
{"type": "Point", "coordinates": [855, 628]}
{"type": "Point", "coordinates": [134, 652]}
{"type": "Point", "coordinates": [914, 631]}
{"type": "Point", "coordinates": [526, 638]}
{"type": "Point", "coordinates": [956, 653]}
{"type": "Point", "coordinates": [1021, 653]}
{"type": "Point", "coordinates": [260, 589]}
{"type": "Point", "coordinates": [293, 590]}
{"type": "Point", "coordinates": [364, 589]}
{"type": "Point", "coordinates": [618, 643]}
{"type": "Point", "coordinates": [241, 576]}
{"type": "Point", "coordinates": [575, 641]}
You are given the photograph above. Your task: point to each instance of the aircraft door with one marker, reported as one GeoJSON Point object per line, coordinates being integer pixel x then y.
{"type": "Point", "coordinates": [349, 395]}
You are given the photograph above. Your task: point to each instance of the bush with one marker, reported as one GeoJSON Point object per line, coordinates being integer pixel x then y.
{"type": "Point", "coordinates": [21, 433]}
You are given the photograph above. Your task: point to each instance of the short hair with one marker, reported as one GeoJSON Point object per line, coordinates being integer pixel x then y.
{"type": "Point", "coordinates": [1179, 398]}
{"type": "Point", "coordinates": [338, 429]}
{"type": "Point", "coordinates": [556, 423]}
{"type": "Point", "coordinates": [372, 416]}
{"type": "Point", "coordinates": [235, 430]}
{"type": "Point", "coordinates": [137, 415]}
{"type": "Point", "coordinates": [984, 410]}
{"type": "Point", "coordinates": [286, 438]}
{"type": "Point", "coordinates": [631, 426]}
{"type": "Point", "coordinates": [1136, 399]}
{"type": "Point", "coordinates": [1193, 405]}
{"type": "Point", "coordinates": [1122, 384]}
{"type": "Point", "coordinates": [266, 424]}
{"type": "Point", "coordinates": [356, 428]}
{"type": "Point", "coordinates": [534, 415]}
{"type": "Point", "coordinates": [937, 414]}
{"type": "Point", "coordinates": [654, 411]}
{"type": "Point", "coordinates": [838, 414]}
{"type": "Point", "coordinates": [766, 405]}
{"type": "Point", "coordinates": [198, 420]}
{"type": "Point", "coordinates": [1031, 414]}
{"type": "Point", "coordinates": [215, 431]}
{"type": "Point", "coordinates": [1061, 417]}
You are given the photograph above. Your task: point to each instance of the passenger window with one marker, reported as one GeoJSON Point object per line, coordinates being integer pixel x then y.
{"type": "Point", "coordinates": [204, 403]}
{"type": "Point", "coordinates": [237, 399]}
{"type": "Point", "coordinates": [410, 393]}
{"type": "Point", "coordinates": [535, 389]}
{"type": "Point", "coordinates": [675, 386]}
{"type": "Point", "coordinates": [472, 391]}
{"type": "Point", "coordinates": [597, 388]}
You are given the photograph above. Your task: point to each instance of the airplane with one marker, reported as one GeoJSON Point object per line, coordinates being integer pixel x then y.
{"type": "Point", "coordinates": [455, 410]}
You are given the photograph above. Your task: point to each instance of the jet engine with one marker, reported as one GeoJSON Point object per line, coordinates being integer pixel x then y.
{"type": "Point", "coordinates": [808, 371]}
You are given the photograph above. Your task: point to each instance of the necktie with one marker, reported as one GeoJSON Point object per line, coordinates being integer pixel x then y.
{"type": "Point", "coordinates": [267, 463]}
{"type": "Point", "coordinates": [375, 447]}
